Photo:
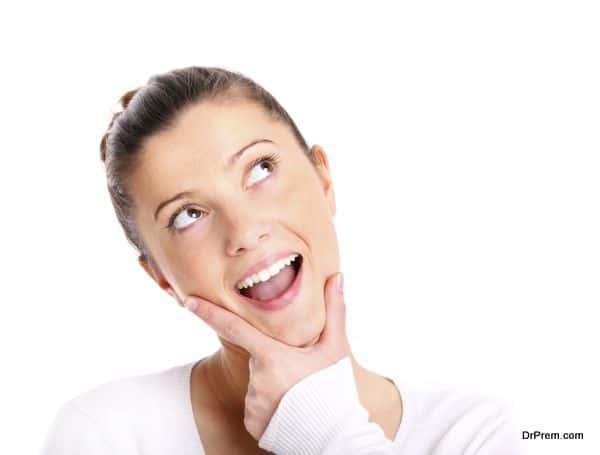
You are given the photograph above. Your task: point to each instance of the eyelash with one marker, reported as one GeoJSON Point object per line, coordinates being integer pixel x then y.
{"type": "Point", "coordinates": [272, 158]}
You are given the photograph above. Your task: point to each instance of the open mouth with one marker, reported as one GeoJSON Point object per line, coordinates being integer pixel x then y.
{"type": "Point", "coordinates": [276, 286]}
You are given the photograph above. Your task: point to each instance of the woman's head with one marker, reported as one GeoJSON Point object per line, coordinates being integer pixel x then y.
{"type": "Point", "coordinates": [178, 134]}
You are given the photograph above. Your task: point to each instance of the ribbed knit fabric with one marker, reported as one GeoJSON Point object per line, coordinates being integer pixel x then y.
{"type": "Point", "coordinates": [323, 414]}
{"type": "Point", "coordinates": [152, 414]}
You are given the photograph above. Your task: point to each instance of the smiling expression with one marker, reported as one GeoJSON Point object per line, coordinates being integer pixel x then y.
{"type": "Point", "coordinates": [249, 191]}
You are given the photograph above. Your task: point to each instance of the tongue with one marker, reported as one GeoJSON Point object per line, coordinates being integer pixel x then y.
{"type": "Point", "coordinates": [274, 286]}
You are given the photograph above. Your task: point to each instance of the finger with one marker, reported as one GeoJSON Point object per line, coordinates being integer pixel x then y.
{"type": "Point", "coordinates": [232, 327]}
{"type": "Point", "coordinates": [335, 324]}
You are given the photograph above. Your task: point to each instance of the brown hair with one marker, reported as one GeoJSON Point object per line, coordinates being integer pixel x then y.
{"type": "Point", "coordinates": [152, 108]}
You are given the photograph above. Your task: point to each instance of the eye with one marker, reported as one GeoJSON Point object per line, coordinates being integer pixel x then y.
{"type": "Point", "coordinates": [177, 222]}
{"type": "Point", "coordinates": [265, 165]}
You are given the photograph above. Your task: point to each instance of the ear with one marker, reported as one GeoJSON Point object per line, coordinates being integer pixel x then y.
{"type": "Point", "coordinates": [154, 272]}
{"type": "Point", "coordinates": [321, 163]}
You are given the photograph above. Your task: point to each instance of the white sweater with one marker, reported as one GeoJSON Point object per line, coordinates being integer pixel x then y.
{"type": "Point", "coordinates": [151, 414]}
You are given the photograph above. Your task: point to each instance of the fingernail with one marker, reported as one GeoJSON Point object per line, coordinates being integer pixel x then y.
{"type": "Point", "coordinates": [340, 283]}
{"type": "Point", "coordinates": [191, 304]}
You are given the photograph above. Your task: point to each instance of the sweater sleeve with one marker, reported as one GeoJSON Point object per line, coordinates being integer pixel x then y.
{"type": "Point", "coordinates": [498, 436]}
{"type": "Point", "coordinates": [322, 415]}
{"type": "Point", "coordinates": [73, 432]}
{"type": "Point", "coordinates": [477, 425]}
{"type": "Point", "coordinates": [503, 441]}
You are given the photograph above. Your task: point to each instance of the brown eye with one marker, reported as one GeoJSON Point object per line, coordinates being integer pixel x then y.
{"type": "Point", "coordinates": [261, 168]}
{"type": "Point", "coordinates": [178, 220]}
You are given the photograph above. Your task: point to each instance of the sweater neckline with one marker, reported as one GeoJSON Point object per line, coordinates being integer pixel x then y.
{"type": "Point", "coordinates": [400, 436]}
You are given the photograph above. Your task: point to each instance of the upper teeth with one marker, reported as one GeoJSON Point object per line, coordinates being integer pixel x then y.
{"type": "Point", "coordinates": [265, 274]}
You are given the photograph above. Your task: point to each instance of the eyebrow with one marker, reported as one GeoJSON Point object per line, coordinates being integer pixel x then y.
{"type": "Point", "coordinates": [235, 157]}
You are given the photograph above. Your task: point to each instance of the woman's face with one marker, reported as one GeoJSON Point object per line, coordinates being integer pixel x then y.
{"type": "Point", "coordinates": [237, 212]}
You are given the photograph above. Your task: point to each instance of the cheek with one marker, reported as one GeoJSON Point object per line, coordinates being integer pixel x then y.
{"type": "Point", "coordinates": [195, 272]}
{"type": "Point", "coordinates": [311, 217]}
{"type": "Point", "coordinates": [301, 195]}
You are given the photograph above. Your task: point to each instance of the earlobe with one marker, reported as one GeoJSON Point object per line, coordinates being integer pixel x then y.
{"type": "Point", "coordinates": [143, 261]}
{"type": "Point", "coordinates": [321, 163]}
{"type": "Point", "coordinates": [332, 202]}
{"type": "Point", "coordinates": [154, 273]}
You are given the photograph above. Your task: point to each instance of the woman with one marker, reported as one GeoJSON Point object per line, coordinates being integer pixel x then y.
{"type": "Point", "coordinates": [232, 214]}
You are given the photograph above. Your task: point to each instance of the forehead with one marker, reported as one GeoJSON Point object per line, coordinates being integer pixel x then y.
{"type": "Point", "coordinates": [192, 153]}
{"type": "Point", "coordinates": [212, 128]}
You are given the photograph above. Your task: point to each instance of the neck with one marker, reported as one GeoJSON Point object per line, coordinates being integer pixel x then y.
{"type": "Point", "coordinates": [227, 376]}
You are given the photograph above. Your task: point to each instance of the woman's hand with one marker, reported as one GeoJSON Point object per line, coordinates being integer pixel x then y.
{"type": "Point", "coordinates": [274, 366]}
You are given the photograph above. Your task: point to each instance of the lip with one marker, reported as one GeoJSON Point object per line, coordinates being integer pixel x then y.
{"type": "Point", "coordinates": [264, 263]}
{"type": "Point", "coordinates": [284, 299]}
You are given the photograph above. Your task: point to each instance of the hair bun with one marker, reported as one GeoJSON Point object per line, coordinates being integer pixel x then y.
{"type": "Point", "coordinates": [127, 96]}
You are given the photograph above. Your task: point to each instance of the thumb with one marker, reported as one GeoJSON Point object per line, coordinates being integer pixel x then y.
{"type": "Point", "coordinates": [251, 365]}
{"type": "Point", "coordinates": [334, 333]}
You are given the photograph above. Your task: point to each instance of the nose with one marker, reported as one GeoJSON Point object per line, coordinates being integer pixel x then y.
{"type": "Point", "coordinates": [244, 232]}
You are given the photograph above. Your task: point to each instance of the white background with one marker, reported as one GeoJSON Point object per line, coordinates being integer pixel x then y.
{"type": "Point", "coordinates": [463, 139]}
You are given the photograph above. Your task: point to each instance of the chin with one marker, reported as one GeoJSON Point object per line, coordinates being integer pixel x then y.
{"type": "Point", "coordinates": [300, 343]}
{"type": "Point", "coordinates": [311, 342]}
{"type": "Point", "coordinates": [303, 335]}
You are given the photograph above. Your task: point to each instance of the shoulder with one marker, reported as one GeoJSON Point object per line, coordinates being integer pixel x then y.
{"type": "Point", "coordinates": [133, 393]}
{"type": "Point", "coordinates": [455, 421]}
{"type": "Point", "coordinates": [111, 414]}
{"type": "Point", "coordinates": [73, 431]}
